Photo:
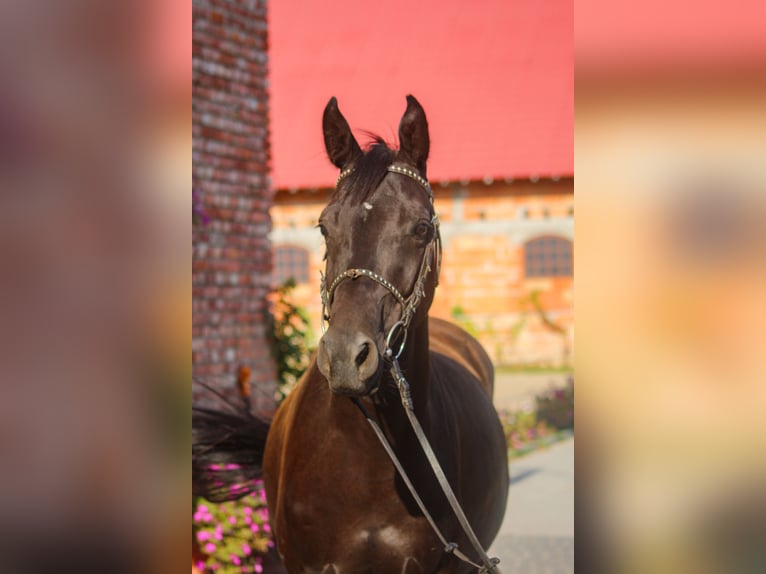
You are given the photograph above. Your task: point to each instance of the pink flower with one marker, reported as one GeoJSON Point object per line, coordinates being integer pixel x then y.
{"type": "Point", "coordinates": [254, 527]}
{"type": "Point", "coordinates": [266, 527]}
{"type": "Point", "coordinates": [248, 510]}
{"type": "Point", "coordinates": [209, 548]}
{"type": "Point", "coordinates": [232, 466]}
{"type": "Point", "coordinates": [232, 520]}
{"type": "Point", "coordinates": [246, 550]}
{"type": "Point", "coordinates": [203, 535]}
{"type": "Point", "coordinates": [235, 559]}
{"type": "Point", "coordinates": [218, 535]}
{"type": "Point", "coordinates": [203, 509]}
{"type": "Point", "coordinates": [258, 568]}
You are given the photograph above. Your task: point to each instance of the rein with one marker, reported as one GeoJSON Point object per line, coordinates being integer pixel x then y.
{"type": "Point", "coordinates": [488, 565]}
{"type": "Point", "coordinates": [409, 306]}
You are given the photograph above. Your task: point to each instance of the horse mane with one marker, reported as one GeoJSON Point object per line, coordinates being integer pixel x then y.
{"type": "Point", "coordinates": [369, 170]}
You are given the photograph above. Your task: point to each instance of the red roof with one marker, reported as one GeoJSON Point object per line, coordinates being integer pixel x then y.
{"type": "Point", "coordinates": [495, 78]}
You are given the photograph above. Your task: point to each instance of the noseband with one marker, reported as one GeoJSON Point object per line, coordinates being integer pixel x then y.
{"type": "Point", "coordinates": [409, 304]}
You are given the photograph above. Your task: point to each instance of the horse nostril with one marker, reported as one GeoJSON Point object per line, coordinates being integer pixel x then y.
{"type": "Point", "coordinates": [362, 356]}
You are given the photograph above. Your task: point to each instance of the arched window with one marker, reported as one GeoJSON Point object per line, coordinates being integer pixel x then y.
{"type": "Point", "coordinates": [291, 261]}
{"type": "Point", "coordinates": [548, 257]}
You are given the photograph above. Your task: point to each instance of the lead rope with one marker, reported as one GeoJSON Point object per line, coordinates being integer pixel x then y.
{"type": "Point", "coordinates": [489, 565]}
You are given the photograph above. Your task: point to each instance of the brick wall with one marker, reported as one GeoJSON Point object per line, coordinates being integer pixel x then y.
{"type": "Point", "coordinates": [231, 254]}
{"type": "Point", "coordinates": [484, 229]}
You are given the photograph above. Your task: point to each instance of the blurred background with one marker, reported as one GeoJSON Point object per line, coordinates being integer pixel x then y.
{"type": "Point", "coordinates": [671, 285]}
{"type": "Point", "coordinates": [94, 170]}
{"type": "Point", "coordinates": [94, 180]}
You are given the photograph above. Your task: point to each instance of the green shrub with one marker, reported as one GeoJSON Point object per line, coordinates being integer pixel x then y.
{"type": "Point", "coordinates": [551, 420]}
{"type": "Point", "coordinates": [461, 319]}
{"type": "Point", "coordinates": [556, 407]}
{"type": "Point", "coordinates": [290, 331]}
{"type": "Point", "coordinates": [523, 431]}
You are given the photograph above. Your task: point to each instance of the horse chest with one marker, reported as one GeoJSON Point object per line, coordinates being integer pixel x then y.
{"type": "Point", "coordinates": [395, 548]}
{"type": "Point", "coordinates": [356, 524]}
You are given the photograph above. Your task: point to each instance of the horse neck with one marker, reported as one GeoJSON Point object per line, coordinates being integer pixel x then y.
{"type": "Point", "coordinates": [415, 365]}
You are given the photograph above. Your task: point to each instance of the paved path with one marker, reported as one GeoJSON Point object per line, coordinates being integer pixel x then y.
{"type": "Point", "coordinates": [537, 535]}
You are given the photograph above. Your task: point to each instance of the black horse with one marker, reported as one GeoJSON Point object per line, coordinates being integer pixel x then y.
{"type": "Point", "coordinates": [336, 501]}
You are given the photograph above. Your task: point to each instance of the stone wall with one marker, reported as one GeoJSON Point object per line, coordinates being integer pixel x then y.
{"type": "Point", "coordinates": [231, 253]}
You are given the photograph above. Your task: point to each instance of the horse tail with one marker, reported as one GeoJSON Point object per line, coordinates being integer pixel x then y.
{"type": "Point", "coordinates": [227, 450]}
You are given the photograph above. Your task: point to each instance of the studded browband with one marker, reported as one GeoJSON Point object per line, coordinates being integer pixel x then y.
{"type": "Point", "coordinates": [400, 169]}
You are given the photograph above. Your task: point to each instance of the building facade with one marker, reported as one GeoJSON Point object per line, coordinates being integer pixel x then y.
{"type": "Point", "coordinates": [507, 269]}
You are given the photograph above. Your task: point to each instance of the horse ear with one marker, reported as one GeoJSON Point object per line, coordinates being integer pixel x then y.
{"type": "Point", "coordinates": [339, 142]}
{"type": "Point", "coordinates": [414, 142]}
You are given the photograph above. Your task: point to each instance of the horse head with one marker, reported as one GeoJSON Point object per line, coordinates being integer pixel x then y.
{"type": "Point", "coordinates": [382, 250]}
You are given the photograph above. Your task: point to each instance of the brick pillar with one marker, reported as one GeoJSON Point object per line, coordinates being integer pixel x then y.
{"type": "Point", "coordinates": [231, 253]}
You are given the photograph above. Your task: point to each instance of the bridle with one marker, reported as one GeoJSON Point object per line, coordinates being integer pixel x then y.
{"type": "Point", "coordinates": [409, 305]}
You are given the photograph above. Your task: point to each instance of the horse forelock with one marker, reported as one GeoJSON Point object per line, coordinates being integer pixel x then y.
{"type": "Point", "coordinates": [369, 170]}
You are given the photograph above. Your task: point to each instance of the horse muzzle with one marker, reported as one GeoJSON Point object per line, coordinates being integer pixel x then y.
{"type": "Point", "coordinates": [350, 362]}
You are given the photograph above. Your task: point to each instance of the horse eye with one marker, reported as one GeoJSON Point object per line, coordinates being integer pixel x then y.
{"type": "Point", "coordinates": [422, 230]}
{"type": "Point", "coordinates": [322, 230]}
